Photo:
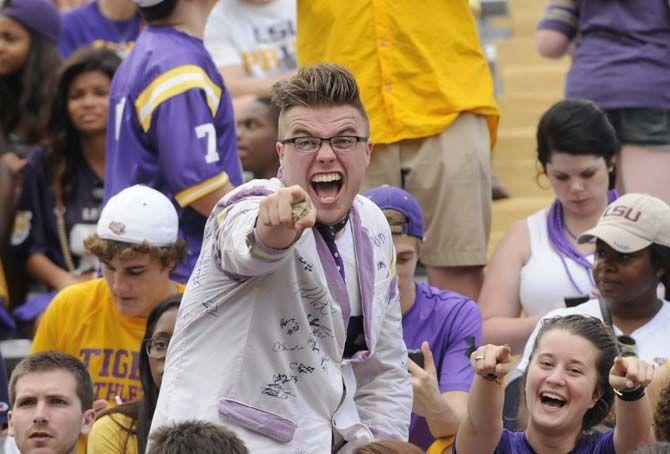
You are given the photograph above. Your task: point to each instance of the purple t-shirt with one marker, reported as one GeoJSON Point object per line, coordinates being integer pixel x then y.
{"type": "Point", "coordinates": [622, 58]}
{"type": "Point", "coordinates": [171, 128]}
{"type": "Point", "coordinates": [36, 229]}
{"type": "Point", "coordinates": [452, 325]}
{"type": "Point", "coordinates": [516, 443]}
{"type": "Point", "coordinates": [86, 26]}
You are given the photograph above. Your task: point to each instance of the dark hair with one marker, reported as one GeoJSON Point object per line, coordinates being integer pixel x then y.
{"type": "Point", "coordinates": [49, 361]}
{"type": "Point", "coordinates": [653, 448]}
{"type": "Point", "coordinates": [195, 436]}
{"type": "Point", "coordinates": [388, 447]}
{"type": "Point", "coordinates": [159, 11]}
{"type": "Point", "coordinates": [25, 96]}
{"type": "Point", "coordinates": [602, 338]}
{"type": "Point", "coordinates": [273, 110]}
{"type": "Point", "coordinates": [142, 411]}
{"type": "Point", "coordinates": [322, 85]}
{"type": "Point", "coordinates": [577, 127]}
{"type": "Point", "coordinates": [660, 257]}
{"type": "Point", "coordinates": [63, 147]}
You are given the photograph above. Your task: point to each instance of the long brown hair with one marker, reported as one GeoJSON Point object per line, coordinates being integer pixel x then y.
{"type": "Point", "coordinates": [25, 96]}
{"type": "Point", "coordinates": [63, 147]}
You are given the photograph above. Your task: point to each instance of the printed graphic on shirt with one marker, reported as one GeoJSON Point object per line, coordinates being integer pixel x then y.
{"type": "Point", "coordinates": [114, 373]}
{"type": "Point", "coordinates": [21, 229]}
{"type": "Point", "coordinates": [275, 49]}
{"type": "Point", "coordinates": [121, 49]}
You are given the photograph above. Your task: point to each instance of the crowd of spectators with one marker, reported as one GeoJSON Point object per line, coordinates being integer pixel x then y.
{"type": "Point", "coordinates": [232, 226]}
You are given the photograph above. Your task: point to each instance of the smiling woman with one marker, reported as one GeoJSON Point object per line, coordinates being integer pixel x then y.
{"type": "Point", "coordinates": [570, 385]}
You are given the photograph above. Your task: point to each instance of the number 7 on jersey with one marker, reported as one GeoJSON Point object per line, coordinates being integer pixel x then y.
{"type": "Point", "coordinates": [207, 131]}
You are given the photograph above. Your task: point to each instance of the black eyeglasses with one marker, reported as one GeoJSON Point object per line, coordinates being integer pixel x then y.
{"type": "Point", "coordinates": [156, 348]}
{"type": "Point", "coordinates": [313, 144]}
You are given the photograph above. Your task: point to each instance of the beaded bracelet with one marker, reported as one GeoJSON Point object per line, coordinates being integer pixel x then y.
{"type": "Point", "coordinates": [630, 395]}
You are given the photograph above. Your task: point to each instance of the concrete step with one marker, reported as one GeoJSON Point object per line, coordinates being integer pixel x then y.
{"type": "Point", "coordinates": [520, 176]}
{"type": "Point", "coordinates": [543, 78]}
{"type": "Point", "coordinates": [524, 22]}
{"type": "Point", "coordinates": [519, 110]}
{"type": "Point", "coordinates": [521, 50]}
{"type": "Point", "coordinates": [535, 6]}
{"type": "Point", "coordinates": [514, 147]}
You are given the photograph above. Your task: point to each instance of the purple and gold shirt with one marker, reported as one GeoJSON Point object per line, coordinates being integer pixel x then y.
{"type": "Point", "coordinates": [171, 128]}
{"type": "Point", "coordinates": [452, 325]}
{"type": "Point", "coordinates": [86, 26]}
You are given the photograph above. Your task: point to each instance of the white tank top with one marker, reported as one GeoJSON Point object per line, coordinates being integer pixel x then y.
{"type": "Point", "coordinates": [543, 282]}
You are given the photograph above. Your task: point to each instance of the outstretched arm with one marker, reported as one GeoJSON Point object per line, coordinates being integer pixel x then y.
{"type": "Point", "coordinates": [482, 426]}
{"type": "Point", "coordinates": [629, 377]}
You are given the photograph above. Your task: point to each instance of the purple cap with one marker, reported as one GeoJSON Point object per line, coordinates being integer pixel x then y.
{"type": "Point", "coordinates": [391, 198]}
{"type": "Point", "coordinates": [41, 16]}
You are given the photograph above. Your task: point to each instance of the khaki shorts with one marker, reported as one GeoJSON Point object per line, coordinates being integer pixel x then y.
{"type": "Point", "coordinates": [450, 176]}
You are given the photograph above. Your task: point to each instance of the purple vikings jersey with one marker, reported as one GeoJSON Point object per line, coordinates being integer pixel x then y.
{"type": "Point", "coordinates": [171, 128]}
{"type": "Point", "coordinates": [86, 26]}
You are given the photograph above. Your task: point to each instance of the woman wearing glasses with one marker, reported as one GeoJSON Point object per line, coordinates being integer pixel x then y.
{"type": "Point", "coordinates": [539, 262]}
{"type": "Point", "coordinates": [63, 182]}
{"type": "Point", "coordinates": [124, 429]}
{"type": "Point", "coordinates": [570, 386]}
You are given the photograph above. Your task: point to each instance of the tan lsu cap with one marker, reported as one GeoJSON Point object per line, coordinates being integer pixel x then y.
{"type": "Point", "coordinates": [632, 222]}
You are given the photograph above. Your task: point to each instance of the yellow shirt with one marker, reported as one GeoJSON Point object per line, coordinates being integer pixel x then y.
{"type": "Point", "coordinates": [109, 435]}
{"type": "Point", "coordinates": [83, 320]}
{"type": "Point", "coordinates": [418, 64]}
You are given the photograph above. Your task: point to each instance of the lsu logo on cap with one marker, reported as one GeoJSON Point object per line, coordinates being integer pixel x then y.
{"type": "Point", "coordinates": [118, 228]}
{"type": "Point", "coordinates": [623, 211]}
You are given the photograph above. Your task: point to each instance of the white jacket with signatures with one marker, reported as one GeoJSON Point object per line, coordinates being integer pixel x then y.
{"type": "Point", "coordinates": [260, 335]}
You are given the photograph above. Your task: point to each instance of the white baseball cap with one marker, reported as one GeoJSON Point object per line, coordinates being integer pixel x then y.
{"type": "Point", "coordinates": [138, 214]}
{"type": "Point", "coordinates": [632, 222]}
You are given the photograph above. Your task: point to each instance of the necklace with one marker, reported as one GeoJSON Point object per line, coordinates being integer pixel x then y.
{"type": "Point", "coordinates": [573, 236]}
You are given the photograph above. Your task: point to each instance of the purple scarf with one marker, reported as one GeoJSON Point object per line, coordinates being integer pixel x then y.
{"type": "Point", "coordinates": [562, 245]}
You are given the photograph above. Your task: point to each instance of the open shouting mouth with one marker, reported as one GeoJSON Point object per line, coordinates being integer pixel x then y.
{"type": "Point", "coordinates": [327, 186]}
